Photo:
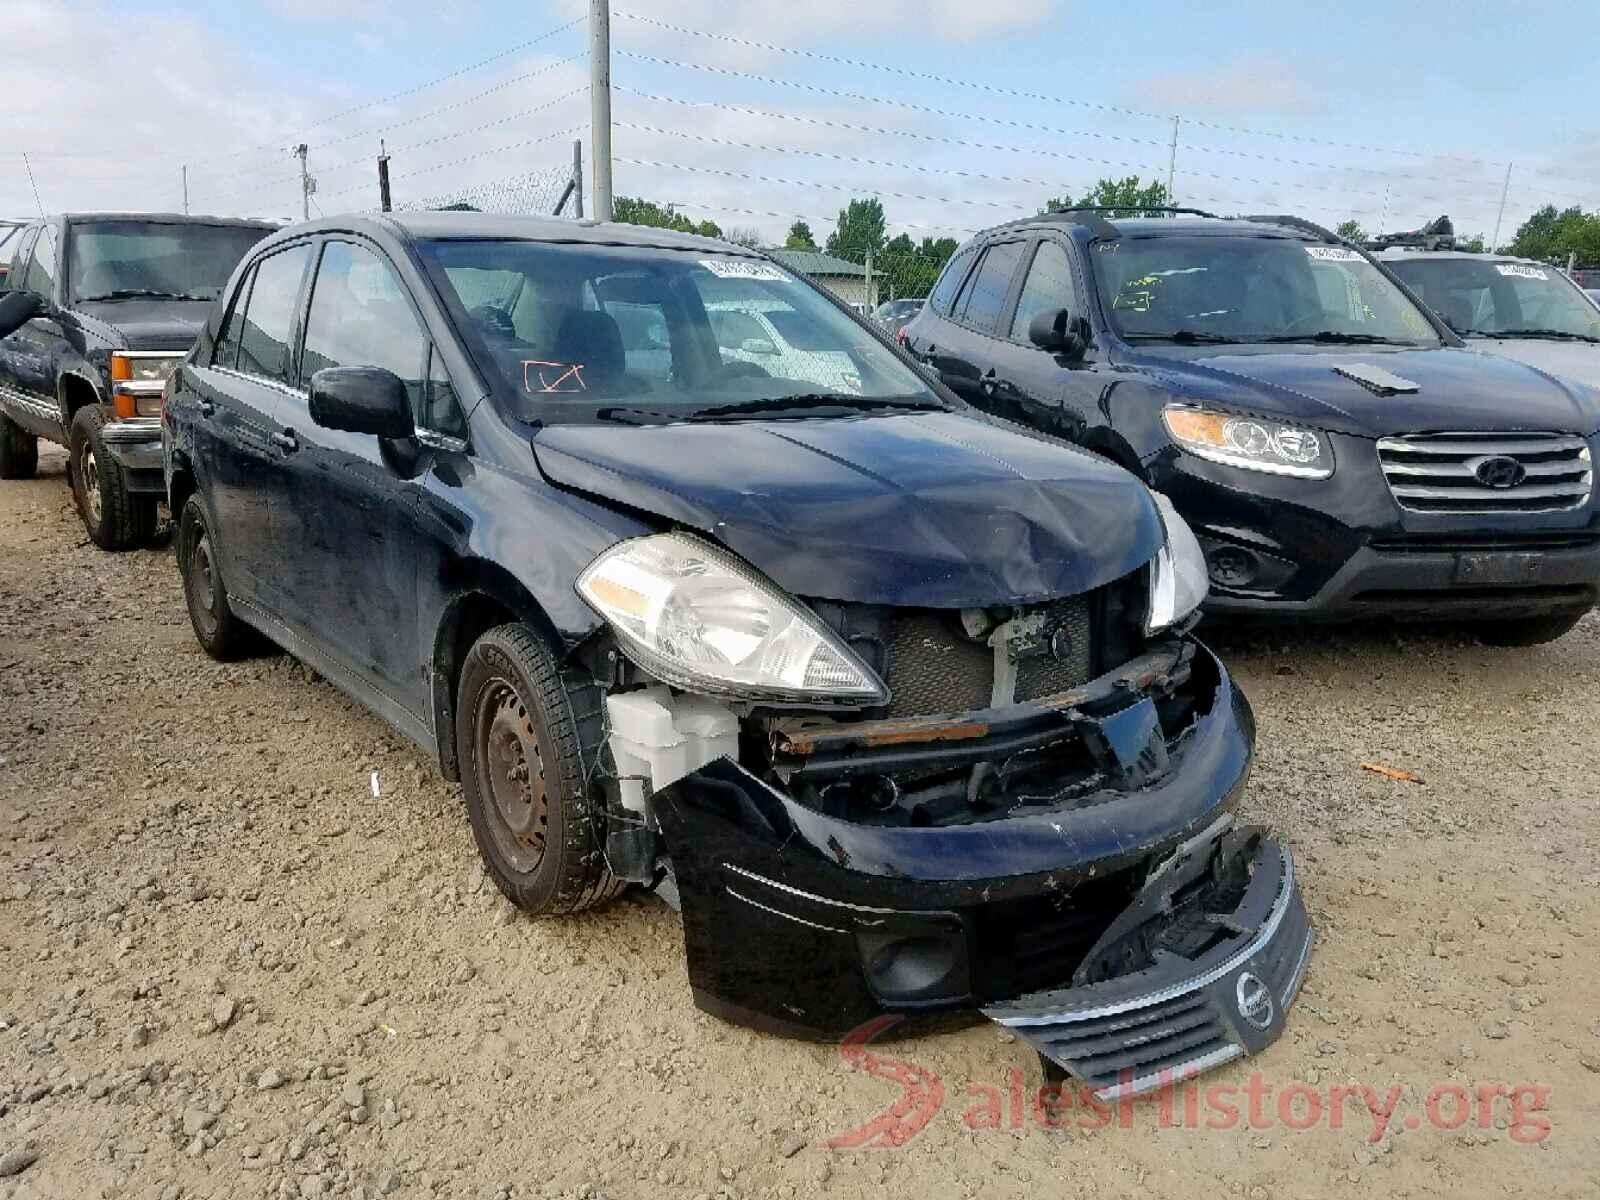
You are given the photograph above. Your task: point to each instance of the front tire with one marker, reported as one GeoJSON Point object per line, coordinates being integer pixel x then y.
{"type": "Point", "coordinates": [533, 814]}
{"type": "Point", "coordinates": [114, 517]}
{"type": "Point", "coordinates": [19, 451]}
{"type": "Point", "coordinates": [220, 633]}
{"type": "Point", "coordinates": [1527, 631]}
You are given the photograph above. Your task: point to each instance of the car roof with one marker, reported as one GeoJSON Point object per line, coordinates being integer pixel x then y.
{"type": "Point", "coordinates": [430, 225]}
{"type": "Point", "coordinates": [1164, 226]}
{"type": "Point", "coordinates": [157, 218]}
{"type": "Point", "coordinates": [1403, 254]}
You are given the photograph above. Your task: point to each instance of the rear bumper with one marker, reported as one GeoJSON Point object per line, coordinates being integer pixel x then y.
{"type": "Point", "coordinates": [1156, 1027]}
{"type": "Point", "coordinates": [811, 926]}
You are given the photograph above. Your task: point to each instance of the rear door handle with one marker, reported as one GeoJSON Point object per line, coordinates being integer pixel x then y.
{"type": "Point", "coordinates": [286, 441]}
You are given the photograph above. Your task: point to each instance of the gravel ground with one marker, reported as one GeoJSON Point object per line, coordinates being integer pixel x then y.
{"type": "Point", "coordinates": [228, 970]}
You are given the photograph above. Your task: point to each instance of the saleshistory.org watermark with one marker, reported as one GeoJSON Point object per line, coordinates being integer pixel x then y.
{"type": "Point", "coordinates": [1181, 1101]}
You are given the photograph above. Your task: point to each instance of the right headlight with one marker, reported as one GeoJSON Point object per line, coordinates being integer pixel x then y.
{"type": "Point", "coordinates": [1248, 442]}
{"type": "Point", "coordinates": [1178, 577]}
{"type": "Point", "coordinates": [697, 617]}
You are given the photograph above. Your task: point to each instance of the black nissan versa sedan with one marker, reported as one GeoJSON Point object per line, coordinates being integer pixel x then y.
{"type": "Point", "coordinates": [1336, 451]}
{"type": "Point", "coordinates": [898, 704]}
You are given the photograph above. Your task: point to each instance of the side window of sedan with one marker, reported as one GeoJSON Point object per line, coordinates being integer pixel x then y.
{"type": "Point", "coordinates": [360, 317]}
{"type": "Point", "coordinates": [266, 334]}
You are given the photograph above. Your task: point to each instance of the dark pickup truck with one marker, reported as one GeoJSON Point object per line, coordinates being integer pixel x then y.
{"type": "Point", "coordinates": [98, 310]}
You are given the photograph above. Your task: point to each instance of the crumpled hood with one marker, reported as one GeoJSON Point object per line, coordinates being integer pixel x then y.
{"type": "Point", "coordinates": [1576, 361]}
{"type": "Point", "coordinates": [150, 324]}
{"type": "Point", "coordinates": [1457, 389]}
{"type": "Point", "coordinates": [937, 510]}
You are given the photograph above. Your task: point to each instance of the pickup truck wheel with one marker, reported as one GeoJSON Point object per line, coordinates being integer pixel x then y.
{"type": "Point", "coordinates": [533, 813]}
{"type": "Point", "coordinates": [1528, 631]}
{"type": "Point", "coordinates": [220, 633]}
{"type": "Point", "coordinates": [115, 519]}
{"type": "Point", "coordinates": [19, 451]}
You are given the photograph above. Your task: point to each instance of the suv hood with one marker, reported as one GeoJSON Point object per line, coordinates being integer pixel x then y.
{"type": "Point", "coordinates": [936, 510]}
{"type": "Point", "coordinates": [1457, 390]}
{"type": "Point", "coordinates": [149, 324]}
{"type": "Point", "coordinates": [1578, 361]}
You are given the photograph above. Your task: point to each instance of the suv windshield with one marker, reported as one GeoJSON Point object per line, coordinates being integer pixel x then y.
{"type": "Point", "coordinates": [1251, 289]}
{"type": "Point", "coordinates": [671, 334]}
{"type": "Point", "coordinates": [118, 260]}
{"type": "Point", "coordinates": [1501, 299]}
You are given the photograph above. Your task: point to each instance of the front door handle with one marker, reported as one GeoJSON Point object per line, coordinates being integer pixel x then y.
{"type": "Point", "coordinates": [208, 408]}
{"type": "Point", "coordinates": [286, 441]}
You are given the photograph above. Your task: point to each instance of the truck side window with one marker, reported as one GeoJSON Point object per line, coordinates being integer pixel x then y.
{"type": "Point", "coordinates": [266, 332]}
{"type": "Point", "coordinates": [41, 276]}
{"type": "Point", "coordinates": [442, 410]}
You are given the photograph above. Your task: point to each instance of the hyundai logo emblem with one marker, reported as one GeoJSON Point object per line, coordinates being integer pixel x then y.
{"type": "Point", "coordinates": [1499, 472]}
{"type": "Point", "coordinates": [1255, 1001]}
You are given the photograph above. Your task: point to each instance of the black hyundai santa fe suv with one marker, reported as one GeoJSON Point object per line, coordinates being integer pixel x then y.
{"type": "Point", "coordinates": [899, 706]}
{"type": "Point", "coordinates": [1336, 451]}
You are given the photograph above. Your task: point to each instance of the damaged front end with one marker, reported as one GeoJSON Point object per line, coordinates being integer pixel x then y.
{"type": "Point", "coordinates": [1031, 817]}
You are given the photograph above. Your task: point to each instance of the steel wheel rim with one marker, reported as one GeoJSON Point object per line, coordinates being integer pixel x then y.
{"type": "Point", "coordinates": [203, 580]}
{"type": "Point", "coordinates": [89, 472]}
{"type": "Point", "coordinates": [511, 777]}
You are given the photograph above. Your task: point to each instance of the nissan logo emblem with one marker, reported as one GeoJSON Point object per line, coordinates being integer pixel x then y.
{"type": "Point", "coordinates": [1499, 471]}
{"type": "Point", "coordinates": [1255, 1001]}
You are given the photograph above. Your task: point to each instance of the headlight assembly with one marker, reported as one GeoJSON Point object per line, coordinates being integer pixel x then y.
{"type": "Point", "coordinates": [1178, 582]}
{"type": "Point", "coordinates": [1250, 443]}
{"type": "Point", "coordinates": [695, 616]}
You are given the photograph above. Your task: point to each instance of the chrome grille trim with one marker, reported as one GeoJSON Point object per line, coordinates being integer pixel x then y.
{"type": "Point", "coordinates": [1436, 473]}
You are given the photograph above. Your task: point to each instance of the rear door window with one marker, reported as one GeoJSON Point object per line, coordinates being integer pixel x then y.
{"type": "Point", "coordinates": [226, 353]}
{"type": "Point", "coordinates": [266, 336]}
{"type": "Point", "coordinates": [991, 284]}
{"type": "Point", "coordinates": [955, 273]}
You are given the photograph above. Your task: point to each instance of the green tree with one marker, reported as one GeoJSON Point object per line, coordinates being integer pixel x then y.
{"type": "Point", "coordinates": [799, 237]}
{"type": "Point", "coordinates": [744, 236]}
{"type": "Point", "coordinates": [861, 228]}
{"type": "Point", "coordinates": [1472, 245]}
{"type": "Point", "coordinates": [1125, 197]}
{"type": "Point", "coordinates": [635, 210]}
{"type": "Point", "coordinates": [1351, 231]}
{"type": "Point", "coordinates": [1553, 234]}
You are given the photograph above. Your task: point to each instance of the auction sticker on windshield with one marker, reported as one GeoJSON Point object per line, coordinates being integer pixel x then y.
{"type": "Point", "coordinates": [1522, 271]}
{"type": "Point", "coordinates": [1333, 254]}
{"type": "Point", "coordinates": [742, 268]}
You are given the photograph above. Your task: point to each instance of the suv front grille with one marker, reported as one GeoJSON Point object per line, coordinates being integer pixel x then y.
{"type": "Point", "coordinates": [1452, 472]}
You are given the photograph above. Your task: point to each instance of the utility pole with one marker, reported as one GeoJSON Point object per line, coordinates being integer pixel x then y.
{"type": "Point", "coordinates": [600, 103]}
{"type": "Point", "coordinates": [306, 186]}
{"type": "Point", "coordinates": [383, 176]}
{"type": "Point", "coordinates": [1383, 218]}
{"type": "Point", "coordinates": [577, 178]}
{"type": "Point", "coordinates": [1505, 188]}
{"type": "Point", "coordinates": [186, 189]}
{"type": "Point", "coordinates": [1172, 161]}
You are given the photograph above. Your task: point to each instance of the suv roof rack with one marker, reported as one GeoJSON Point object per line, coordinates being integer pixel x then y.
{"type": "Point", "coordinates": [1291, 222]}
{"type": "Point", "coordinates": [1141, 208]}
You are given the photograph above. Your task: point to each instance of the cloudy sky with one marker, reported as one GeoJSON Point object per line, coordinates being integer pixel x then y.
{"type": "Point", "coordinates": [957, 113]}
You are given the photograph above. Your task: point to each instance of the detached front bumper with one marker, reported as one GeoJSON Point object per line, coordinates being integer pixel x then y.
{"type": "Point", "coordinates": [809, 925]}
{"type": "Point", "coordinates": [1157, 1026]}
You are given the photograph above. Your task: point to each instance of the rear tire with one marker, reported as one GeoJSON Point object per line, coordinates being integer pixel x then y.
{"type": "Point", "coordinates": [115, 518]}
{"type": "Point", "coordinates": [1527, 631]}
{"type": "Point", "coordinates": [19, 451]}
{"type": "Point", "coordinates": [534, 816]}
{"type": "Point", "coordinates": [221, 634]}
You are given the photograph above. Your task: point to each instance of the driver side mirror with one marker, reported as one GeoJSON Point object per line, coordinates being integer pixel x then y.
{"type": "Point", "coordinates": [361, 400]}
{"type": "Point", "coordinates": [1053, 330]}
{"type": "Point", "coordinates": [18, 308]}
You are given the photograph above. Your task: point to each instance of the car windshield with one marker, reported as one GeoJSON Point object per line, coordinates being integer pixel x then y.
{"type": "Point", "coordinates": [119, 260]}
{"type": "Point", "coordinates": [587, 332]}
{"type": "Point", "coordinates": [1251, 289]}
{"type": "Point", "coordinates": [1500, 299]}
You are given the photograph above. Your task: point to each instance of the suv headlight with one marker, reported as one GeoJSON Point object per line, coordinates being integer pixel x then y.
{"type": "Point", "coordinates": [1178, 577]}
{"type": "Point", "coordinates": [695, 616]}
{"type": "Point", "coordinates": [1255, 445]}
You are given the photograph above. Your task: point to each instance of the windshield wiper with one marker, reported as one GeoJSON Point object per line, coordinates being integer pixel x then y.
{"type": "Point", "coordinates": [1560, 335]}
{"type": "Point", "coordinates": [1184, 337]}
{"type": "Point", "coordinates": [138, 293]}
{"type": "Point", "coordinates": [1333, 337]}
{"type": "Point", "coordinates": [814, 400]}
